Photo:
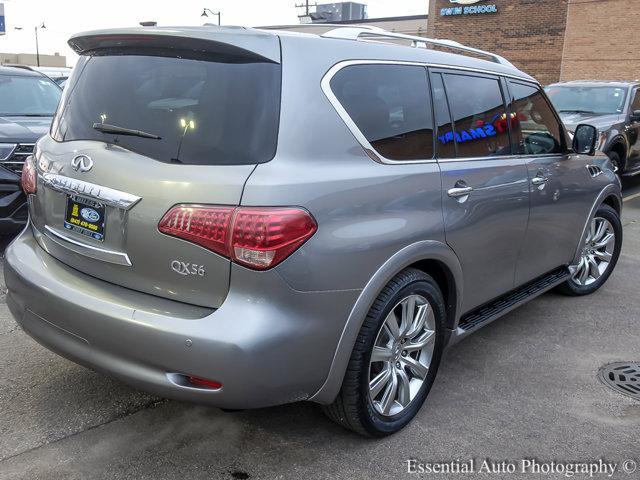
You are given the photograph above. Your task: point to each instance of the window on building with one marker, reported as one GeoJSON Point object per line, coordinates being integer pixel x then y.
{"type": "Point", "coordinates": [446, 143]}
{"type": "Point", "coordinates": [479, 116]}
{"type": "Point", "coordinates": [390, 105]}
{"type": "Point", "coordinates": [535, 128]}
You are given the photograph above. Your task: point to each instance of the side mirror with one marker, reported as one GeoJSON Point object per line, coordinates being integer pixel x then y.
{"type": "Point", "coordinates": [635, 116]}
{"type": "Point", "coordinates": [584, 139]}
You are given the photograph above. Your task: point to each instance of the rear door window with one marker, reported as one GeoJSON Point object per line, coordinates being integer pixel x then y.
{"type": "Point", "coordinates": [479, 115]}
{"type": "Point", "coordinates": [205, 112]}
{"type": "Point", "coordinates": [535, 129]}
{"type": "Point", "coordinates": [391, 107]}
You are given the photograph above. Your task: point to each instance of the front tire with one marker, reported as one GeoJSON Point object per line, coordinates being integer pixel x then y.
{"type": "Point", "coordinates": [616, 161]}
{"type": "Point", "coordinates": [600, 253]}
{"type": "Point", "coordinates": [395, 359]}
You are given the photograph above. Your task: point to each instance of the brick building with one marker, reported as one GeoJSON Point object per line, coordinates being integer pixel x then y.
{"type": "Point", "coordinates": [550, 39]}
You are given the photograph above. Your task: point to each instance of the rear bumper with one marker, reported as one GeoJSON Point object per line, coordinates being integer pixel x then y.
{"type": "Point", "coordinates": [267, 344]}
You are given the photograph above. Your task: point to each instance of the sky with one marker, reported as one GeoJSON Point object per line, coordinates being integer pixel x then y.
{"type": "Point", "coordinates": [63, 18]}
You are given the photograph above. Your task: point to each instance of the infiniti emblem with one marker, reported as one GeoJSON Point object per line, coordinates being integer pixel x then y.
{"type": "Point", "coordinates": [82, 163]}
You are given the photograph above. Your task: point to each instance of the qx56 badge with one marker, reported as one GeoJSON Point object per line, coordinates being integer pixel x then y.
{"type": "Point", "coordinates": [184, 268]}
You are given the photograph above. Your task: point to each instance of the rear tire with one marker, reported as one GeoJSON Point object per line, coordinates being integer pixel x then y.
{"type": "Point", "coordinates": [600, 254]}
{"type": "Point", "coordinates": [408, 359]}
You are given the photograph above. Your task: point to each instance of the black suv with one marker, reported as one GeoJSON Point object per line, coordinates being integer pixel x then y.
{"type": "Point", "coordinates": [28, 101]}
{"type": "Point", "coordinates": [612, 107]}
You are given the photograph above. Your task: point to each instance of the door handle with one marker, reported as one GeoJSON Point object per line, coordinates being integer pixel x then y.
{"type": "Point", "coordinates": [458, 192]}
{"type": "Point", "coordinates": [539, 180]}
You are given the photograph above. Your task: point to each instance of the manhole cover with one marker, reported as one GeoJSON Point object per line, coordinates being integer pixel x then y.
{"type": "Point", "coordinates": [623, 377]}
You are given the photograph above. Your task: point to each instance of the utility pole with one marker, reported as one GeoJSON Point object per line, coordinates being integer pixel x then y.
{"type": "Point", "coordinates": [37, 48]}
{"type": "Point", "coordinates": [37, 45]}
{"type": "Point", "coordinates": [306, 7]}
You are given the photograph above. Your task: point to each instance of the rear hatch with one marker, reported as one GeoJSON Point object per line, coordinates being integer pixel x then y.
{"type": "Point", "coordinates": [148, 121]}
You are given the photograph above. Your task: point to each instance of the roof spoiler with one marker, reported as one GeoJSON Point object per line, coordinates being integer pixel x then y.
{"type": "Point", "coordinates": [227, 44]}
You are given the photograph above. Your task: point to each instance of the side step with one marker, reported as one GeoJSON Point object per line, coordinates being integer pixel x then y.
{"type": "Point", "coordinates": [498, 307]}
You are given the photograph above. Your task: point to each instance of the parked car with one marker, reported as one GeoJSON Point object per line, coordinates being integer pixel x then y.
{"type": "Point", "coordinates": [613, 107]}
{"type": "Point", "coordinates": [220, 217]}
{"type": "Point", "coordinates": [57, 74]}
{"type": "Point", "coordinates": [27, 103]}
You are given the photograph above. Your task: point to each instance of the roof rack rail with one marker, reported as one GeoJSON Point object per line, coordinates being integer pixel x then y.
{"type": "Point", "coordinates": [333, 26]}
{"type": "Point", "coordinates": [374, 33]}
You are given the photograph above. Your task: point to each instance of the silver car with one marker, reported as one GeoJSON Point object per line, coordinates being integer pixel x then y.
{"type": "Point", "coordinates": [244, 218]}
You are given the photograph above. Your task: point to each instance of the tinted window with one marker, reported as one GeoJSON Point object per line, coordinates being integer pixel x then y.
{"type": "Point", "coordinates": [206, 112]}
{"type": "Point", "coordinates": [534, 126]}
{"type": "Point", "coordinates": [636, 101]}
{"type": "Point", "coordinates": [27, 95]}
{"type": "Point", "coordinates": [446, 144]}
{"type": "Point", "coordinates": [479, 116]}
{"type": "Point", "coordinates": [390, 106]}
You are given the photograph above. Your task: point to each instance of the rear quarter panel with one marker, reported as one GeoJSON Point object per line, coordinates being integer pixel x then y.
{"type": "Point", "coordinates": [366, 211]}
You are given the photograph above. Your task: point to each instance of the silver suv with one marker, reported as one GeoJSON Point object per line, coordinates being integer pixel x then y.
{"type": "Point", "coordinates": [245, 218]}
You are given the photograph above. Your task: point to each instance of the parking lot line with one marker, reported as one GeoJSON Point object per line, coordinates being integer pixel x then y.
{"type": "Point", "coordinates": [631, 197]}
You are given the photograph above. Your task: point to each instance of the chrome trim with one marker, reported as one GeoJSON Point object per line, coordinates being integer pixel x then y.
{"type": "Point", "coordinates": [325, 84]}
{"type": "Point", "coordinates": [98, 253]}
{"type": "Point", "coordinates": [500, 157]}
{"type": "Point", "coordinates": [313, 25]}
{"type": "Point", "coordinates": [82, 163]}
{"type": "Point", "coordinates": [595, 170]}
{"type": "Point", "coordinates": [539, 180]}
{"type": "Point", "coordinates": [484, 71]}
{"type": "Point", "coordinates": [459, 192]}
{"type": "Point", "coordinates": [15, 146]}
{"type": "Point", "coordinates": [355, 33]}
{"type": "Point", "coordinates": [106, 195]}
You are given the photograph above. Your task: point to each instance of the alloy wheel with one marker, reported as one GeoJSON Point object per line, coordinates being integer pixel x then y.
{"type": "Point", "coordinates": [402, 355]}
{"type": "Point", "coordinates": [597, 252]}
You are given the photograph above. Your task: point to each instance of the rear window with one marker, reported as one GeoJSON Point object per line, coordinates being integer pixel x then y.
{"type": "Point", "coordinates": [205, 112]}
{"type": "Point", "coordinates": [390, 105]}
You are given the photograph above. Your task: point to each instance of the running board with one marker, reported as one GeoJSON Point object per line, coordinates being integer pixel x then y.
{"type": "Point", "coordinates": [632, 173]}
{"type": "Point", "coordinates": [490, 311]}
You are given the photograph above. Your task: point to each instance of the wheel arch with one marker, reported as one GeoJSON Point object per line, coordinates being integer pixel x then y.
{"type": "Point", "coordinates": [614, 202]}
{"type": "Point", "coordinates": [609, 195]}
{"type": "Point", "coordinates": [619, 145]}
{"type": "Point", "coordinates": [432, 257]}
{"type": "Point", "coordinates": [444, 277]}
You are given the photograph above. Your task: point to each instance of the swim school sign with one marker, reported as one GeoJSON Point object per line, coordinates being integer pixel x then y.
{"type": "Point", "coordinates": [468, 8]}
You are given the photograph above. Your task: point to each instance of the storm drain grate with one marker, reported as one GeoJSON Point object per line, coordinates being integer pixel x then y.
{"type": "Point", "coordinates": [623, 377]}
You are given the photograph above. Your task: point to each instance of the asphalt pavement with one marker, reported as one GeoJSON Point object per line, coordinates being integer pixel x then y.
{"type": "Point", "coordinates": [523, 387]}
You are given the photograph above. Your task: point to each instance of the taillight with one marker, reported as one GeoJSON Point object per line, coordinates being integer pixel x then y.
{"type": "Point", "coordinates": [29, 181]}
{"type": "Point", "coordinates": [206, 226]}
{"type": "Point", "coordinates": [256, 237]}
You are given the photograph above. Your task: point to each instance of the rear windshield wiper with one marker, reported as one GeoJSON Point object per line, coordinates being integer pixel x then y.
{"type": "Point", "coordinates": [576, 111]}
{"type": "Point", "coordinates": [106, 128]}
{"type": "Point", "coordinates": [26, 115]}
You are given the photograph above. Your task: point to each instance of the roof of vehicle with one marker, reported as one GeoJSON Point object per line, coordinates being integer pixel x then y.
{"type": "Point", "coordinates": [597, 83]}
{"type": "Point", "coordinates": [261, 42]}
{"type": "Point", "coordinates": [20, 71]}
